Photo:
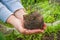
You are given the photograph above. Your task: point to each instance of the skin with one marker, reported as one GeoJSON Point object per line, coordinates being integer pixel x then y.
{"type": "Point", "coordinates": [17, 21]}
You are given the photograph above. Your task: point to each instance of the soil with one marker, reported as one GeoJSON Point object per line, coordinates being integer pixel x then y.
{"type": "Point", "coordinates": [33, 21]}
{"type": "Point", "coordinates": [20, 38]}
{"type": "Point", "coordinates": [58, 35]}
{"type": "Point", "coordinates": [48, 37]}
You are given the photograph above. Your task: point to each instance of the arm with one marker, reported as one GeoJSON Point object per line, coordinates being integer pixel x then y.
{"type": "Point", "coordinates": [18, 24]}
{"type": "Point", "coordinates": [4, 12]}
{"type": "Point", "coordinates": [17, 19]}
{"type": "Point", "coordinates": [19, 14]}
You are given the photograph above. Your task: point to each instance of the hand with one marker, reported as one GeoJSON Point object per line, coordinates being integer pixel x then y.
{"type": "Point", "coordinates": [18, 24]}
{"type": "Point", "coordinates": [44, 27]}
{"type": "Point", "coordinates": [34, 31]}
{"type": "Point", "coordinates": [26, 31]}
{"type": "Point", "coordinates": [19, 14]}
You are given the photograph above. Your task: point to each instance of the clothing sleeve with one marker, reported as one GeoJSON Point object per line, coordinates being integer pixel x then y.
{"type": "Point", "coordinates": [4, 12]}
{"type": "Point", "coordinates": [13, 5]}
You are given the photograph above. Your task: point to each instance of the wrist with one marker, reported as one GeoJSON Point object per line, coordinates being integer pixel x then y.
{"type": "Point", "coordinates": [9, 19]}
{"type": "Point", "coordinates": [14, 21]}
{"type": "Point", "coordinates": [19, 12]}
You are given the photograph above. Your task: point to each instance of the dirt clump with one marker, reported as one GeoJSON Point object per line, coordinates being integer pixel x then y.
{"type": "Point", "coordinates": [33, 21]}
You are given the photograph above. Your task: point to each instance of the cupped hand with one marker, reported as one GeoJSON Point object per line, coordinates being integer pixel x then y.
{"type": "Point", "coordinates": [19, 14]}
{"type": "Point", "coordinates": [34, 31]}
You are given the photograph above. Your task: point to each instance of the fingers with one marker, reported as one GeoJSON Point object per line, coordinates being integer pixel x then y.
{"type": "Point", "coordinates": [44, 27]}
{"type": "Point", "coordinates": [36, 30]}
{"type": "Point", "coordinates": [33, 31]}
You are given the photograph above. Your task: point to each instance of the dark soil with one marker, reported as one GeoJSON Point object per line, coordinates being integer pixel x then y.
{"type": "Point", "coordinates": [58, 35]}
{"type": "Point", "coordinates": [48, 37]}
{"type": "Point", "coordinates": [33, 21]}
{"type": "Point", "coordinates": [20, 38]}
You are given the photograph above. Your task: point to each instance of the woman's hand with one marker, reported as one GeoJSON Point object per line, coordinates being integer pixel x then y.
{"type": "Point", "coordinates": [34, 31]}
{"type": "Point", "coordinates": [18, 24]}
{"type": "Point", "coordinates": [19, 14]}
